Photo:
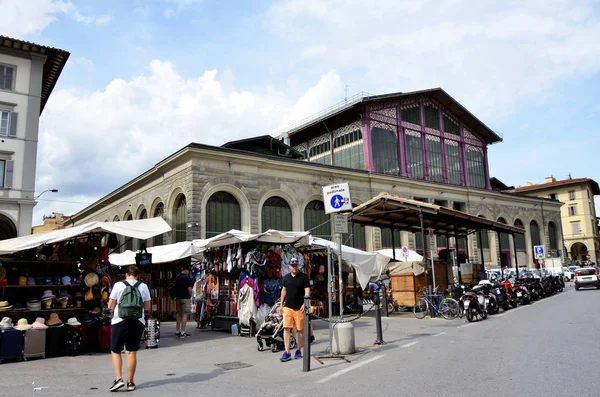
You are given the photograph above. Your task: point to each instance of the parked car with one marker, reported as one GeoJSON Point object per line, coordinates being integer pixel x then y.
{"type": "Point", "coordinates": [568, 273]}
{"type": "Point", "coordinates": [586, 277]}
{"type": "Point", "coordinates": [573, 268]}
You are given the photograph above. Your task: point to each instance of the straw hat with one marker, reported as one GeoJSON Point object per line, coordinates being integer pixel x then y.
{"type": "Point", "coordinates": [6, 323]}
{"type": "Point", "coordinates": [39, 323]}
{"type": "Point", "coordinates": [53, 319]}
{"type": "Point", "coordinates": [91, 279]}
{"type": "Point", "coordinates": [72, 322]}
{"type": "Point", "coordinates": [5, 306]}
{"type": "Point", "coordinates": [23, 325]}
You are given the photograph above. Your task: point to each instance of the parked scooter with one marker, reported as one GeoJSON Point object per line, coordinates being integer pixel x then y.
{"type": "Point", "coordinates": [510, 293]}
{"type": "Point", "coordinates": [474, 305]}
{"type": "Point", "coordinates": [523, 295]}
{"type": "Point", "coordinates": [486, 288]}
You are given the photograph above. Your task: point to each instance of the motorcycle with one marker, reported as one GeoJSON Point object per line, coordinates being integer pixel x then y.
{"type": "Point", "coordinates": [523, 295]}
{"type": "Point", "coordinates": [486, 288]}
{"type": "Point", "coordinates": [508, 290]}
{"type": "Point", "coordinates": [474, 305]}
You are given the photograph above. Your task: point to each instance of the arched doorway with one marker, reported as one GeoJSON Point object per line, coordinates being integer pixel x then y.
{"type": "Point", "coordinates": [159, 211]}
{"type": "Point", "coordinates": [579, 251]}
{"type": "Point", "coordinates": [276, 214]}
{"type": "Point", "coordinates": [223, 213]}
{"type": "Point", "coordinates": [504, 248]}
{"type": "Point", "coordinates": [7, 228]}
{"type": "Point", "coordinates": [180, 217]}
{"type": "Point", "coordinates": [316, 220]}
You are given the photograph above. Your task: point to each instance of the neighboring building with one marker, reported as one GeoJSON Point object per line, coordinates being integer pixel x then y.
{"type": "Point", "coordinates": [28, 73]}
{"type": "Point", "coordinates": [578, 214]}
{"type": "Point", "coordinates": [52, 222]}
{"type": "Point", "coordinates": [422, 145]}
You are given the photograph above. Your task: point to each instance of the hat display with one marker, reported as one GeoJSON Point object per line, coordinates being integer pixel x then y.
{"type": "Point", "coordinates": [53, 319]}
{"type": "Point", "coordinates": [23, 325]}
{"type": "Point", "coordinates": [66, 280]}
{"type": "Point", "coordinates": [72, 322]}
{"type": "Point", "coordinates": [63, 295]}
{"type": "Point", "coordinates": [39, 280]}
{"type": "Point", "coordinates": [47, 280]}
{"type": "Point", "coordinates": [91, 279]}
{"type": "Point", "coordinates": [78, 296]}
{"type": "Point", "coordinates": [48, 295]}
{"type": "Point", "coordinates": [22, 280]}
{"type": "Point", "coordinates": [5, 306]}
{"type": "Point", "coordinates": [75, 280]}
{"type": "Point", "coordinates": [87, 319]}
{"type": "Point", "coordinates": [56, 280]}
{"type": "Point", "coordinates": [105, 280]}
{"type": "Point", "coordinates": [39, 323]}
{"type": "Point", "coordinates": [34, 304]}
{"type": "Point", "coordinates": [6, 323]}
{"type": "Point", "coordinates": [19, 306]}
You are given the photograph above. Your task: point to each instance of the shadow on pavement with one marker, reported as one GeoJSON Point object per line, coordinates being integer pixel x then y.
{"type": "Point", "coordinates": [189, 378]}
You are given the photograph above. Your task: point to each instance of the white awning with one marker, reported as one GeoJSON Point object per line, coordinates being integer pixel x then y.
{"type": "Point", "coordinates": [160, 254]}
{"type": "Point", "coordinates": [141, 229]}
{"type": "Point", "coordinates": [278, 237]}
{"type": "Point", "coordinates": [368, 265]}
{"type": "Point", "coordinates": [271, 236]}
{"type": "Point", "coordinates": [413, 256]}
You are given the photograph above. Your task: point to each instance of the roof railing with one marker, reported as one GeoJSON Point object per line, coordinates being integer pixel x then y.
{"type": "Point", "coordinates": [323, 113]}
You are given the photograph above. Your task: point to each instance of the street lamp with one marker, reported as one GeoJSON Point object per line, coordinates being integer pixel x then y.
{"type": "Point", "coordinates": [49, 190]}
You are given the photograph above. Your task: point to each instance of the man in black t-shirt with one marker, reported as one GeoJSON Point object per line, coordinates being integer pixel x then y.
{"type": "Point", "coordinates": [183, 293]}
{"type": "Point", "coordinates": [295, 288]}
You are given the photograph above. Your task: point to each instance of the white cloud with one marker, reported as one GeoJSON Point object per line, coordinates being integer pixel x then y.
{"type": "Point", "coordinates": [178, 6]}
{"type": "Point", "coordinates": [489, 56]}
{"type": "Point", "coordinates": [20, 18]}
{"type": "Point", "coordinates": [91, 143]}
{"type": "Point", "coordinates": [314, 50]}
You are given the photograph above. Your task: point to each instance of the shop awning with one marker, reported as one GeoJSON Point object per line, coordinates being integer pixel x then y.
{"type": "Point", "coordinates": [389, 211]}
{"type": "Point", "coordinates": [271, 236]}
{"type": "Point", "coordinates": [368, 265]}
{"type": "Point", "coordinates": [160, 254]}
{"type": "Point", "coordinates": [141, 229]}
{"type": "Point", "coordinates": [413, 256]}
{"type": "Point", "coordinates": [278, 237]}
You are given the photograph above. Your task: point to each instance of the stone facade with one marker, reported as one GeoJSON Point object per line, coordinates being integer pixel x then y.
{"type": "Point", "coordinates": [198, 171]}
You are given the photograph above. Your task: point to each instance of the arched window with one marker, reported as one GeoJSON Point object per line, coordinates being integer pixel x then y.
{"type": "Point", "coordinates": [316, 220]}
{"type": "Point", "coordinates": [552, 236]}
{"type": "Point", "coordinates": [385, 151]}
{"type": "Point", "coordinates": [519, 238]}
{"type": "Point", "coordinates": [7, 228]}
{"type": "Point", "coordinates": [276, 214]}
{"type": "Point", "coordinates": [129, 243]}
{"type": "Point", "coordinates": [223, 213]}
{"type": "Point", "coordinates": [476, 167]}
{"type": "Point", "coordinates": [181, 219]}
{"type": "Point", "coordinates": [484, 242]}
{"type": "Point", "coordinates": [534, 230]}
{"type": "Point", "coordinates": [143, 215]}
{"type": "Point", "coordinates": [159, 211]}
{"type": "Point", "coordinates": [503, 237]}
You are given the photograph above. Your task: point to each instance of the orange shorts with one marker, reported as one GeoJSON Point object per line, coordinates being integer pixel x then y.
{"type": "Point", "coordinates": [293, 317]}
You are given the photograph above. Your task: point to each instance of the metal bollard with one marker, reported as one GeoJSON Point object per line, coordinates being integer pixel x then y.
{"type": "Point", "coordinates": [377, 301]}
{"type": "Point", "coordinates": [306, 333]}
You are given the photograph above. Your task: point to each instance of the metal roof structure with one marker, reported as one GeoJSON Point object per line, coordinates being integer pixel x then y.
{"type": "Point", "coordinates": [389, 211]}
{"type": "Point", "coordinates": [55, 62]}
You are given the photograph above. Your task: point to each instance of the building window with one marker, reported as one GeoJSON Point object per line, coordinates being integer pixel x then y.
{"type": "Point", "coordinates": [321, 153]}
{"type": "Point", "coordinates": [553, 196]}
{"type": "Point", "coordinates": [223, 213]}
{"type": "Point", "coordinates": [411, 115]}
{"type": "Point", "coordinates": [414, 154]}
{"type": "Point", "coordinates": [385, 151]}
{"type": "Point", "coordinates": [572, 210]}
{"type": "Point", "coordinates": [485, 240]}
{"type": "Point", "coordinates": [434, 158]}
{"type": "Point", "coordinates": [534, 230]}
{"type": "Point", "coordinates": [575, 226]}
{"type": "Point", "coordinates": [386, 238]}
{"type": "Point", "coordinates": [4, 122]}
{"type": "Point", "coordinates": [7, 77]}
{"type": "Point", "coordinates": [441, 241]}
{"type": "Point", "coordinates": [571, 194]}
{"type": "Point", "coordinates": [316, 220]}
{"type": "Point", "coordinates": [552, 236]}
{"type": "Point", "coordinates": [476, 167]}
{"type": "Point", "coordinates": [181, 220]}
{"type": "Point", "coordinates": [276, 214]}
{"type": "Point", "coordinates": [453, 162]}
{"type": "Point", "coordinates": [348, 151]}
{"type": "Point", "coordinates": [158, 212]}
{"type": "Point", "coordinates": [418, 239]}
{"type": "Point", "coordinates": [2, 171]}
{"type": "Point", "coordinates": [432, 117]}
{"type": "Point", "coordinates": [450, 126]}
{"type": "Point", "coordinates": [357, 239]}
{"type": "Point", "coordinates": [519, 238]}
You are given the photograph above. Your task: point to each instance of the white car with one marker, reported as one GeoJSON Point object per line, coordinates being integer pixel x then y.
{"type": "Point", "coordinates": [586, 277]}
{"type": "Point", "coordinates": [568, 273]}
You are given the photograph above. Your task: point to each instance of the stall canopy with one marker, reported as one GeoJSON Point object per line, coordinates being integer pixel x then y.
{"type": "Point", "coordinates": [141, 229]}
{"type": "Point", "coordinates": [271, 236]}
{"type": "Point", "coordinates": [160, 254]}
{"type": "Point", "coordinates": [389, 211]}
{"type": "Point", "coordinates": [412, 255]}
{"type": "Point", "coordinates": [368, 265]}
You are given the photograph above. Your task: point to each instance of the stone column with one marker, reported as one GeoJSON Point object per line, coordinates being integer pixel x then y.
{"type": "Point", "coordinates": [528, 246]}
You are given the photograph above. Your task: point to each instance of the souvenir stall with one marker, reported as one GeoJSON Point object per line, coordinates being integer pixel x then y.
{"type": "Point", "coordinates": [239, 277]}
{"type": "Point", "coordinates": [167, 261]}
{"type": "Point", "coordinates": [63, 277]}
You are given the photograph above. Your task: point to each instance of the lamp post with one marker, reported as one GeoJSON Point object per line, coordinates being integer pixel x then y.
{"type": "Point", "coordinates": [49, 190]}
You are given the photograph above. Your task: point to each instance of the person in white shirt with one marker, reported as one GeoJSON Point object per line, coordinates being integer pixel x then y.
{"type": "Point", "coordinates": [126, 333]}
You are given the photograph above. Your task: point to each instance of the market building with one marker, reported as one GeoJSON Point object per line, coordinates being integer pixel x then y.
{"type": "Point", "coordinates": [578, 215]}
{"type": "Point", "coordinates": [421, 145]}
{"type": "Point", "coordinates": [28, 74]}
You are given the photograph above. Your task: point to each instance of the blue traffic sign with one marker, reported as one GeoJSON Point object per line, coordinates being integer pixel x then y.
{"type": "Point", "coordinates": [539, 250]}
{"type": "Point", "coordinates": [337, 201]}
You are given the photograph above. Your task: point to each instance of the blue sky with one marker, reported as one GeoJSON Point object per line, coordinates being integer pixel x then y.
{"type": "Point", "coordinates": [152, 76]}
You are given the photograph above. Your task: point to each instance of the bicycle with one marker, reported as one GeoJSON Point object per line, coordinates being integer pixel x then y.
{"type": "Point", "coordinates": [435, 302]}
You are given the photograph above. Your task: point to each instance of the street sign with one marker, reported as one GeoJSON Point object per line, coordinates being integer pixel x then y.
{"type": "Point", "coordinates": [539, 251]}
{"type": "Point", "coordinates": [540, 261]}
{"type": "Point", "coordinates": [405, 252]}
{"type": "Point", "coordinates": [337, 198]}
{"type": "Point", "coordinates": [340, 223]}
{"type": "Point", "coordinates": [559, 253]}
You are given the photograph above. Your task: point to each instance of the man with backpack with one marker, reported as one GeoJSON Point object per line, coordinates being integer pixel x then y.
{"type": "Point", "coordinates": [129, 299]}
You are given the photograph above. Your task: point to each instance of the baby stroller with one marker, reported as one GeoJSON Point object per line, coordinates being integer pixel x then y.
{"type": "Point", "coordinates": [270, 332]}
